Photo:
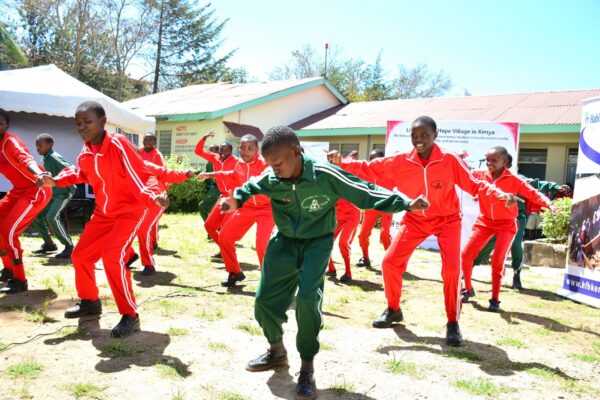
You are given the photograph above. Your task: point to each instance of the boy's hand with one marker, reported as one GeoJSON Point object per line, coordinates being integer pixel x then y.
{"type": "Point", "coordinates": [162, 200]}
{"type": "Point", "coordinates": [47, 180]}
{"type": "Point", "coordinates": [205, 175]}
{"type": "Point", "coordinates": [420, 203]}
{"type": "Point", "coordinates": [555, 210]}
{"type": "Point", "coordinates": [509, 198]}
{"type": "Point", "coordinates": [229, 204]}
{"type": "Point", "coordinates": [353, 155]}
{"type": "Point", "coordinates": [209, 134]}
{"type": "Point", "coordinates": [190, 173]}
{"type": "Point", "coordinates": [334, 157]}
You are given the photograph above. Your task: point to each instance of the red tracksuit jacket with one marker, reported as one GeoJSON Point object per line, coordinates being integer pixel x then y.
{"type": "Point", "coordinates": [494, 209]}
{"type": "Point", "coordinates": [14, 160]}
{"type": "Point", "coordinates": [120, 179]}
{"type": "Point", "coordinates": [166, 176]}
{"type": "Point", "coordinates": [154, 156]}
{"type": "Point", "coordinates": [435, 180]}
{"type": "Point", "coordinates": [227, 165]}
{"type": "Point", "coordinates": [241, 173]}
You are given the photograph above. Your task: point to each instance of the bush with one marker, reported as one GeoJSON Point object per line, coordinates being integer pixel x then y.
{"type": "Point", "coordinates": [184, 196]}
{"type": "Point", "coordinates": [556, 227]}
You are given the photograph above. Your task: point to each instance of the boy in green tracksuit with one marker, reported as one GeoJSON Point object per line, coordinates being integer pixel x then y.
{"type": "Point", "coordinates": [49, 218]}
{"type": "Point", "coordinates": [516, 250]}
{"type": "Point", "coordinates": [303, 194]}
{"type": "Point", "coordinates": [212, 194]}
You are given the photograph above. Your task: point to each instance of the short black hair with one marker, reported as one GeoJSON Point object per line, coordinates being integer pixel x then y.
{"type": "Point", "coordinates": [4, 114]}
{"type": "Point", "coordinates": [91, 106]}
{"type": "Point", "coordinates": [510, 160]}
{"type": "Point", "coordinates": [378, 152]}
{"type": "Point", "coordinates": [45, 137]}
{"type": "Point", "coordinates": [503, 152]}
{"type": "Point", "coordinates": [227, 144]}
{"type": "Point", "coordinates": [249, 138]}
{"type": "Point", "coordinates": [150, 134]}
{"type": "Point", "coordinates": [426, 120]}
{"type": "Point", "coordinates": [279, 136]}
{"type": "Point", "coordinates": [213, 146]}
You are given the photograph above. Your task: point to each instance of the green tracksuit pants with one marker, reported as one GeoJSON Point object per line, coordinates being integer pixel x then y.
{"type": "Point", "coordinates": [49, 220]}
{"type": "Point", "coordinates": [208, 201]}
{"type": "Point", "coordinates": [293, 267]}
{"type": "Point", "coordinates": [516, 251]}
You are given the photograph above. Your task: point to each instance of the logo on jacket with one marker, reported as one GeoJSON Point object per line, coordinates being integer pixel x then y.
{"type": "Point", "coordinates": [315, 203]}
{"type": "Point", "coordinates": [437, 185]}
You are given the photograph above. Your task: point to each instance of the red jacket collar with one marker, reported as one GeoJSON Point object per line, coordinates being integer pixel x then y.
{"type": "Point", "coordinates": [436, 154]}
{"type": "Point", "coordinates": [104, 145]}
{"type": "Point", "coordinates": [490, 178]}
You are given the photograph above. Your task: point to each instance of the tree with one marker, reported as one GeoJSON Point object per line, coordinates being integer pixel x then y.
{"type": "Point", "coordinates": [186, 42]}
{"type": "Point", "coordinates": [10, 52]}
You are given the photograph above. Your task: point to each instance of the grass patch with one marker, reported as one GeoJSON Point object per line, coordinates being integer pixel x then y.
{"type": "Point", "coordinates": [172, 369]}
{"type": "Point", "coordinates": [511, 342]}
{"type": "Point", "coordinates": [575, 387]}
{"type": "Point", "coordinates": [480, 387]}
{"type": "Point", "coordinates": [86, 390]}
{"type": "Point", "coordinates": [464, 355]}
{"type": "Point", "coordinates": [342, 388]}
{"type": "Point", "coordinates": [545, 373]}
{"type": "Point", "coordinates": [588, 358]}
{"type": "Point", "coordinates": [220, 346]}
{"type": "Point", "coordinates": [543, 331]}
{"type": "Point", "coordinates": [401, 367]}
{"type": "Point", "coordinates": [118, 348]}
{"type": "Point", "coordinates": [326, 346]}
{"type": "Point", "coordinates": [210, 315]}
{"type": "Point", "coordinates": [169, 308]}
{"type": "Point", "coordinates": [227, 395]}
{"type": "Point", "coordinates": [72, 332]}
{"type": "Point", "coordinates": [25, 370]}
{"type": "Point", "coordinates": [249, 328]}
{"type": "Point", "coordinates": [177, 331]}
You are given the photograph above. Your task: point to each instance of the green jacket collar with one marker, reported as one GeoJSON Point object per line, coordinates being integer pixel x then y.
{"type": "Point", "coordinates": [308, 169]}
{"type": "Point", "coordinates": [48, 154]}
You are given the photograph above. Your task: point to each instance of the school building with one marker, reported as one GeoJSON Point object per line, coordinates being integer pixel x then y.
{"type": "Point", "coordinates": [549, 121]}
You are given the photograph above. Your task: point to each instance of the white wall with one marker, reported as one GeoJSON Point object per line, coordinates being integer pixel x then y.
{"type": "Point", "coordinates": [285, 110]}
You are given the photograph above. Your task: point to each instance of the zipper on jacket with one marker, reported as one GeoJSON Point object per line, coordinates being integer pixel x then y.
{"type": "Point", "coordinates": [103, 183]}
{"type": "Point", "coordinates": [298, 206]}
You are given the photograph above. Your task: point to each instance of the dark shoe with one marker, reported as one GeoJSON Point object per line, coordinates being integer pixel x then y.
{"type": "Point", "coordinates": [133, 259]}
{"type": "Point", "coordinates": [46, 248]}
{"type": "Point", "coordinates": [388, 317]}
{"type": "Point", "coordinates": [453, 335]}
{"type": "Point", "coordinates": [494, 305]}
{"type": "Point", "coordinates": [126, 326]}
{"type": "Point", "coordinates": [267, 361]}
{"type": "Point", "coordinates": [517, 280]}
{"type": "Point", "coordinates": [66, 253]}
{"type": "Point", "coordinates": [83, 308]}
{"type": "Point", "coordinates": [467, 294]}
{"type": "Point", "coordinates": [217, 256]}
{"type": "Point", "coordinates": [331, 273]}
{"type": "Point", "coordinates": [154, 246]}
{"type": "Point", "coordinates": [307, 387]}
{"type": "Point", "coordinates": [364, 262]}
{"type": "Point", "coordinates": [6, 275]}
{"type": "Point", "coordinates": [148, 270]}
{"type": "Point", "coordinates": [14, 286]}
{"type": "Point", "coordinates": [232, 279]}
{"type": "Point", "coordinates": [345, 278]}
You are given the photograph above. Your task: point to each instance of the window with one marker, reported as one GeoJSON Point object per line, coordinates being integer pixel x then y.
{"type": "Point", "coordinates": [379, 146]}
{"type": "Point", "coordinates": [334, 146]}
{"type": "Point", "coordinates": [532, 163]}
{"type": "Point", "coordinates": [571, 165]}
{"type": "Point", "coordinates": [164, 142]}
{"type": "Point", "coordinates": [133, 138]}
{"type": "Point", "coordinates": [347, 148]}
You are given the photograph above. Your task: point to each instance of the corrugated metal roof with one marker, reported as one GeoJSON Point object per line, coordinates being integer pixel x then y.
{"type": "Point", "coordinates": [209, 98]}
{"type": "Point", "coordinates": [543, 108]}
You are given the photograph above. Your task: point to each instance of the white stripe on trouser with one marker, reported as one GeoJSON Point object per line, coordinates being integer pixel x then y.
{"type": "Point", "coordinates": [59, 224]}
{"type": "Point", "coordinates": [148, 235]}
{"type": "Point", "coordinates": [122, 262]}
{"type": "Point", "coordinates": [458, 294]}
{"type": "Point", "coordinates": [11, 233]}
{"type": "Point", "coordinates": [506, 254]}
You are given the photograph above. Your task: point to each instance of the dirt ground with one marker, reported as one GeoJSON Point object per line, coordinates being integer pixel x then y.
{"type": "Point", "coordinates": [197, 336]}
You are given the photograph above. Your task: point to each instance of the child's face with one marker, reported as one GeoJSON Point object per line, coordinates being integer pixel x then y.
{"type": "Point", "coordinates": [3, 126]}
{"type": "Point", "coordinates": [284, 160]}
{"type": "Point", "coordinates": [90, 126]}
{"type": "Point", "coordinates": [248, 150]}
{"type": "Point", "coordinates": [422, 137]}
{"type": "Point", "coordinates": [149, 143]}
{"type": "Point", "coordinates": [373, 155]}
{"type": "Point", "coordinates": [224, 151]}
{"type": "Point", "coordinates": [495, 161]}
{"type": "Point", "coordinates": [43, 147]}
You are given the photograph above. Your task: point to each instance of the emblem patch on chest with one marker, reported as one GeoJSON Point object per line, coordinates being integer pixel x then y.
{"type": "Point", "coordinates": [315, 203]}
{"type": "Point", "coordinates": [437, 185]}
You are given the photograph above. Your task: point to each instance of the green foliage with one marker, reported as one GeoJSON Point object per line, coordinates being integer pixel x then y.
{"type": "Point", "coordinates": [184, 196]}
{"type": "Point", "coordinates": [556, 227]}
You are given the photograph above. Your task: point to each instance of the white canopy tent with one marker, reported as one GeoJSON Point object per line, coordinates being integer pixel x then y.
{"type": "Point", "coordinates": [44, 99]}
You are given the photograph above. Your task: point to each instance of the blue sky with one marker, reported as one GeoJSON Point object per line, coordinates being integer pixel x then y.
{"type": "Point", "coordinates": [486, 47]}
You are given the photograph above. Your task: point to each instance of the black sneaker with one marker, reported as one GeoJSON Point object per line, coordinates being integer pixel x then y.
{"type": "Point", "coordinates": [494, 305]}
{"type": "Point", "coordinates": [83, 308]}
{"type": "Point", "coordinates": [6, 275]}
{"type": "Point", "coordinates": [453, 335]}
{"type": "Point", "coordinates": [364, 262]}
{"type": "Point", "coordinates": [148, 270]}
{"type": "Point", "coordinates": [14, 286]}
{"type": "Point", "coordinates": [345, 278]}
{"type": "Point", "coordinates": [217, 256]}
{"type": "Point", "coordinates": [66, 253]}
{"type": "Point", "coordinates": [388, 317]}
{"type": "Point", "coordinates": [232, 279]}
{"type": "Point", "coordinates": [133, 259]}
{"type": "Point", "coordinates": [154, 246]}
{"type": "Point", "coordinates": [331, 273]}
{"type": "Point", "coordinates": [267, 361]}
{"type": "Point", "coordinates": [126, 326]}
{"type": "Point", "coordinates": [467, 294]}
{"type": "Point", "coordinates": [46, 248]}
{"type": "Point", "coordinates": [306, 389]}
{"type": "Point", "coordinates": [517, 280]}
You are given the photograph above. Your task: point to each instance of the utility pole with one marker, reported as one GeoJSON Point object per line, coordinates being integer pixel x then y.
{"type": "Point", "coordinates": [325, 69]}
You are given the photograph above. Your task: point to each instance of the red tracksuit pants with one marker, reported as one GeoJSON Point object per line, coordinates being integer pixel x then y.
{"type": "Point", "coordinates": [107, 238]}
{"type": "Point", "coordinates": [235, 228]}
{"type": "Point", "coordinates": [483, 230]}
{"type": "Point", "coordinates": [215, 220]}
{"type": "Point", "coordinates": [17, 210]}
{"type": "Point", "coordinates": [368, 222]}
{"type": "Point", "coordinates": [346, 230]}
{"type": "Point", "coordinates": [413, 230]}
{"type": "Point", "coordinates": [147, 235]}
